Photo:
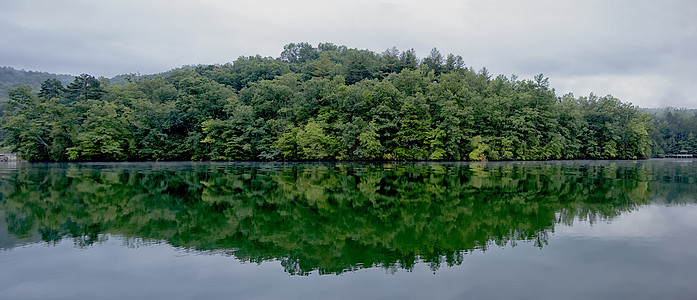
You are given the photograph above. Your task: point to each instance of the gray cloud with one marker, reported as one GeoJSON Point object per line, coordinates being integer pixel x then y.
{"type": "Point", "coordinates": [639, 51]}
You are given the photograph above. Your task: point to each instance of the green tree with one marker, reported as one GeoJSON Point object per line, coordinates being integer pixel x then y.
{"type": "Point", "coordinates": [287, 144]}
{"type": "Point", "coordinates": [415, 124]}
{"type": "Point", "coordinates": [314, 143]}
{"type": "Point", "coordinates": [84, 87]}
{"type": "Point", "coordinates": [104, 134]}
{"type": "Point", "coordinates": [324, 66]}
{"type": "Point", "coordinates": [37, 130]}
{"type": "Point", "coordinates": [235, 138]}
{"type": "Point", "coordinates": [359, 65]}
{"type": "Point", "coordinates": [298, 52]}
{"type": "Point", "coordinates": [51, 88]}
{"type": "Point", "coordinates": [434, 61]}
{"type": "Point", "coordinates": [370, 146]}
{"type": "Point", "coordinates": [480, 149]}
{"type": "Point", "coordinates": [408, 59]}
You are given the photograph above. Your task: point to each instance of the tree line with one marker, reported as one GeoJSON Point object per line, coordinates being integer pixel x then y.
{"type": "Point", "coordinates": [326, 102]}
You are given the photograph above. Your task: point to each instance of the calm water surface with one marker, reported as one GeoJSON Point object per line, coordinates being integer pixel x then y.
{"type": "Point", "coordinates": [510, 230]}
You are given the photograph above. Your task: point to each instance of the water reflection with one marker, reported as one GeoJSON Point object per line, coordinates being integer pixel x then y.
{"type": "Point", "coordinates": [329, 218]}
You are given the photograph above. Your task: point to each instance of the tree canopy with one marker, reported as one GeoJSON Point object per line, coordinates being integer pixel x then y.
{"type": "Point", "coordinates": [321, 103]}
{"type": "Point", "coordinates": [674, 130]}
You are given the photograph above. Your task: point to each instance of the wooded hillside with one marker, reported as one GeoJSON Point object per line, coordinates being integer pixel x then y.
{"type": "Point", "coordinates": [11, 78]}
{"type": "Point", "coordinates": [321, 103]}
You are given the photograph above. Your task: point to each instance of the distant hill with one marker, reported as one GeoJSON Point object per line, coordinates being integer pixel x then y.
{"type": "Point", "coordinates": [11, 78]}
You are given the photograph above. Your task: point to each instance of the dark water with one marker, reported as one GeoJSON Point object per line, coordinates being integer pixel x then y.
{"type": "Point", "coordinates": [511, 230]}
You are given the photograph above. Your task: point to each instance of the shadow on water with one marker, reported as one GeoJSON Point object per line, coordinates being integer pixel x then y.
{"type": "Point", "coordinates": [329, 218]}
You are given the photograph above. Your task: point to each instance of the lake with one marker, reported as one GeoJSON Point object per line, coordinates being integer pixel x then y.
{"type": "Point", "coordinates": [495, 230]}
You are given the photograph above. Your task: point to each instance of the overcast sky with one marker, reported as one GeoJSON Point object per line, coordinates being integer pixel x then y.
{"type": "Point", "coordinates": [644, 52]}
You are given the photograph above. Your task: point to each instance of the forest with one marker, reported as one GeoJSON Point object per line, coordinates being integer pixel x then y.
{"type": "Point", "coordinates": [324, 103]}
{"type": "Point", "coordinates": [674, 130]}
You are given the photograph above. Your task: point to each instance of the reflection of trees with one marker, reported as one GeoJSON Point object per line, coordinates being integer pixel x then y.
{"type": "Point", "coordinates": [326, 217]}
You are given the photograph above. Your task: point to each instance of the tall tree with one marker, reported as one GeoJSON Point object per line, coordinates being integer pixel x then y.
{"type": "Point", "coordinates": [84, 87]}
{"type": "Point", "coordinates": [51, 88]}
{"type": "Point", "coordinates": [298, 52]}
{"type": "Point", "coordinates": [434, 61]}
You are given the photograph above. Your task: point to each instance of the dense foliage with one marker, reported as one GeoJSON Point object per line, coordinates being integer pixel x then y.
{"type": "Point", "coordinates": [330, 217]}
{"type": "Point", "coordinates": [675, 131]}
{"type": "Point", "coordinates": [321, 103]}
